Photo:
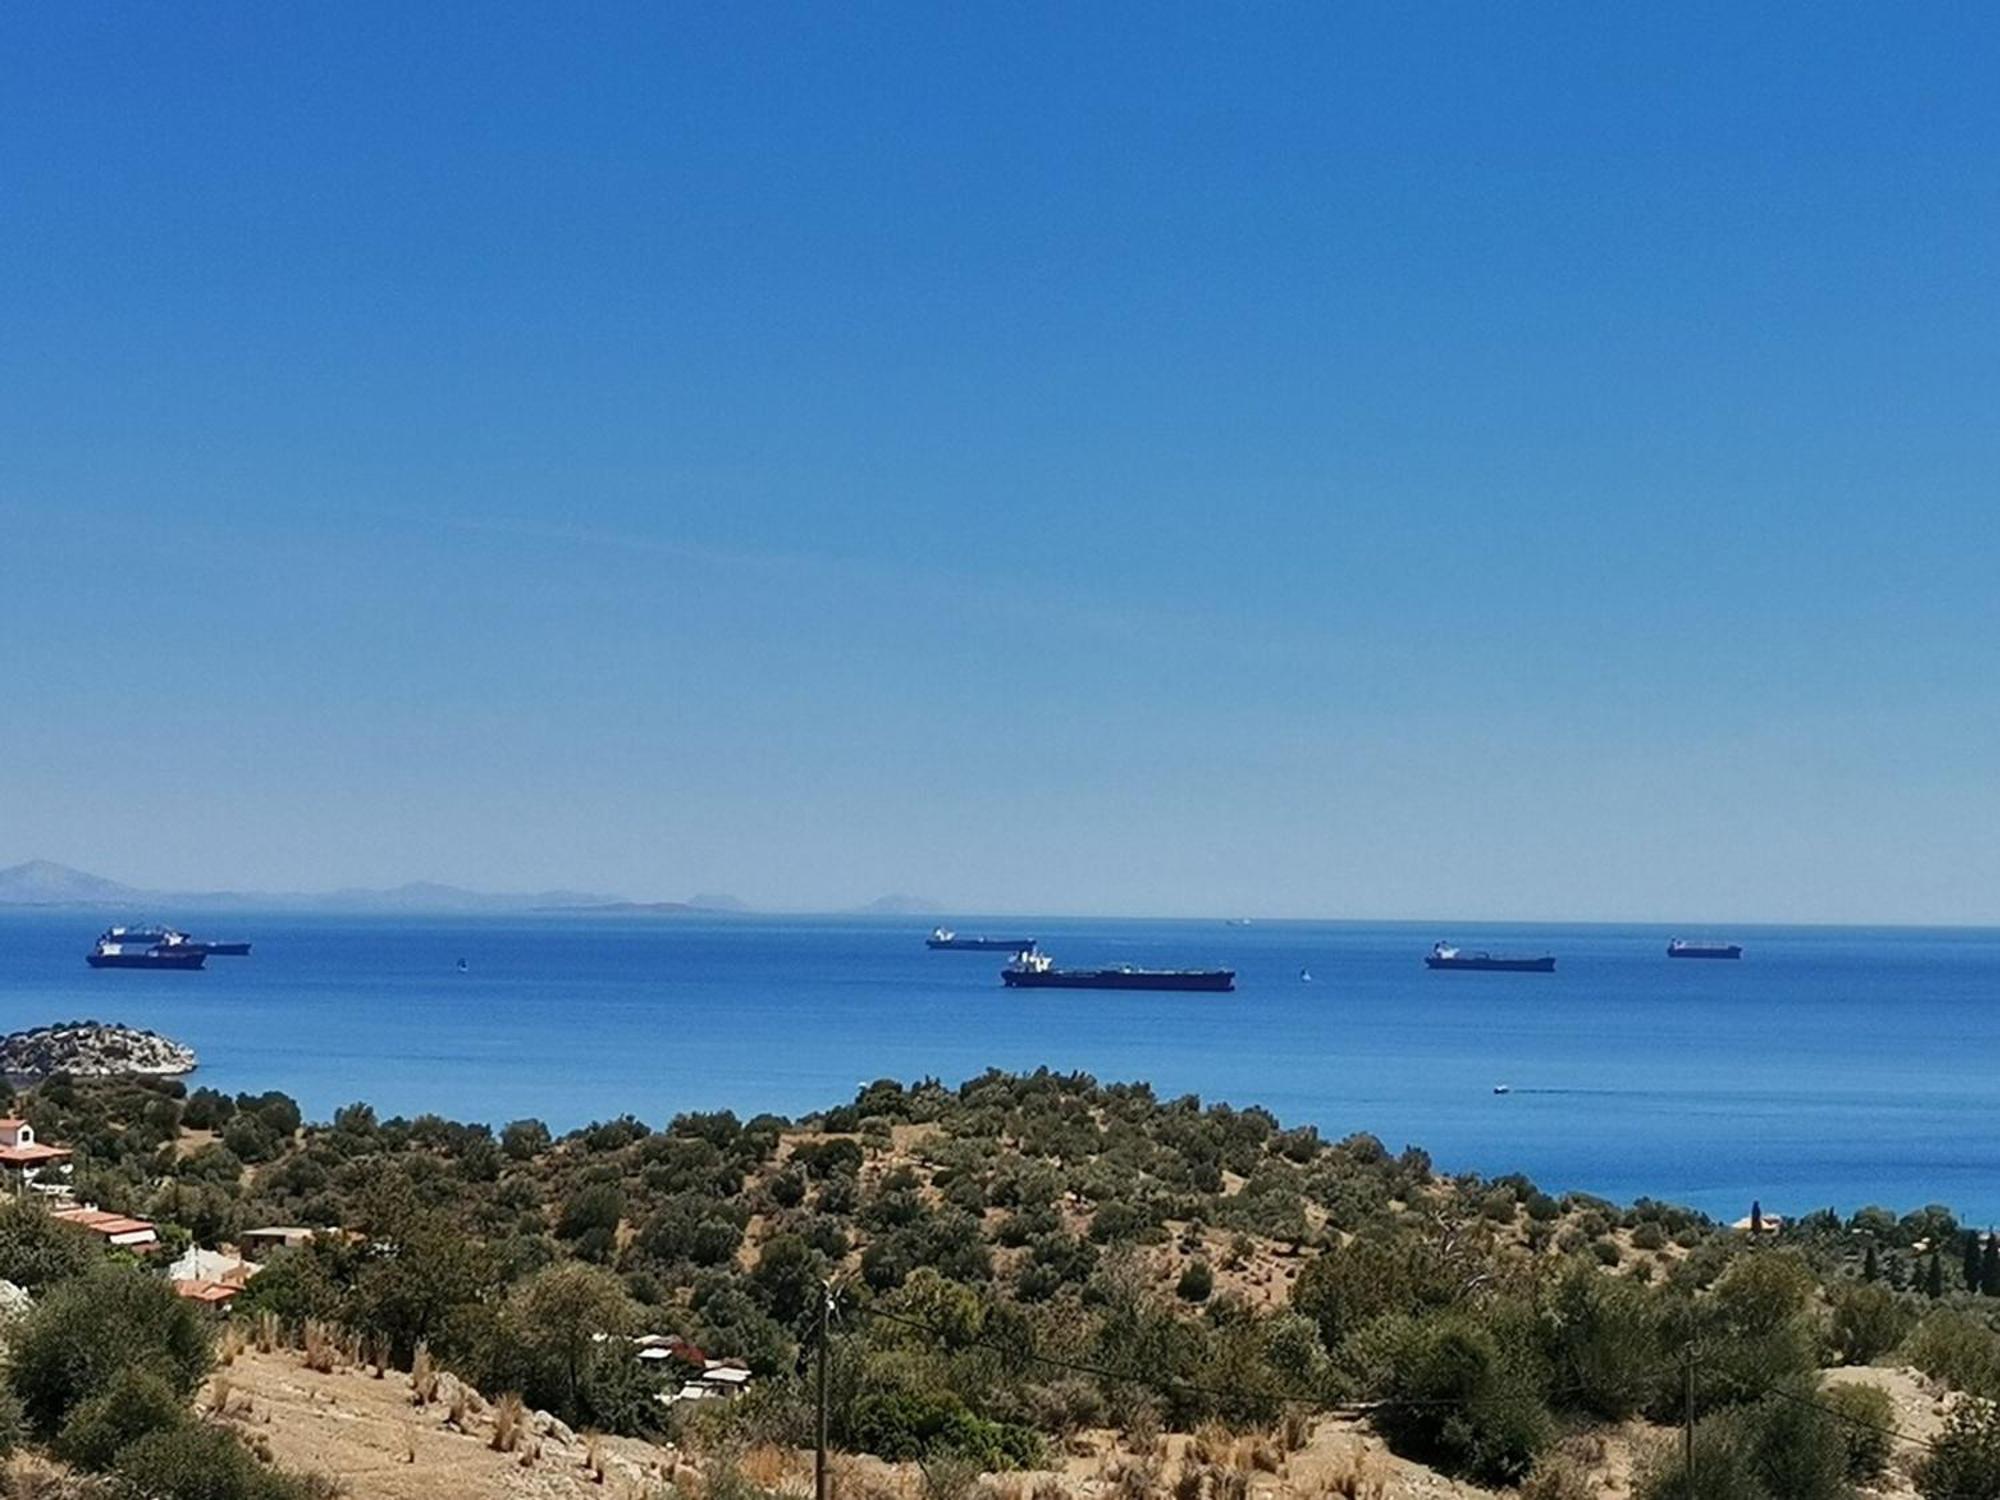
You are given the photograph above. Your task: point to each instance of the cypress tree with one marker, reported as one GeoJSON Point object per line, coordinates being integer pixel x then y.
{"type": "Point", "coordinates": [1989, 1268]}
{"type": "Point", "coordinates": [1970, 1250]}
{"type": "Point", "coordinates": [1934, 1279]}
{"type": "Point", "coordinates": [1870, 1268]}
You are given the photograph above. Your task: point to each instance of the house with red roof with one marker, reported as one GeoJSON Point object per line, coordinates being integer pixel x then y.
{"type": "Point", "coordinates": [23, 1161]}
{"type": "Point", "coordinates": [113, 1229]}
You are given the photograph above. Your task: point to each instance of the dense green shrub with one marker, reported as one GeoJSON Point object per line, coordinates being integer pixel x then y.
{"type": "Point", "coordinates": [206, 1109]}
{"type": "Point", "coordinates": [1868, 1321]}
{"type": "Point", "coordinates": [823, 1159]}
{"type": "Point", "coordinates": [36, 1250]}
{"type": "Point", "coordinates": [910, 1425]}
{"type": "Point", "coordinates": [1345, 1288]}
{"type": "Point", "coordinates": [1797, 1448]}
{"type": "Point", "coordinates": [1753, 1329]}
{"type": "Point", "coordinates": [13, 1425]}
{"type": "Point", "coordinates": [1196, 1283]}
{"type": "Point", "coordinates": [590, 1218]}
{"type": "Point", "coordinates": [1118, 1221]}
{"type": "Point", "coordinates": [524, 1140]}
{"type": "Point", "coordinates": [1964, 1460]}
{"type": "Point", "coordinates": [693, 1227]}
{"type": "Point", "coordinates": [88, 1329]}
{"type": "Point", "coordinates": [1605, 1340]}
{"type": "Point", "coordinates": [1958, 1349]}
{"type": "Point", "coordinates": [193, 1462]}
{"type": "Point", "coordinates": [133, 1403]}
{"type": "Point", "coordinates": [1459, 1391]}
{"type": "Point", "coordinates": [1867, 1417]}
{"type": "Point", "coordinates": [1723, 1466]}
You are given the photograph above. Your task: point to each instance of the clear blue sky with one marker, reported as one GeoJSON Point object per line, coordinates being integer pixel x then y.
{"type": "Point", "coordinates": [1296, 459]}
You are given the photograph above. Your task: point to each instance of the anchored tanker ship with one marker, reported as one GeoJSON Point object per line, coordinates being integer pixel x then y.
{"type": "Point", "coordinates": [1444, 956]}
{"type": "Point", "coordinates": [1036, 971]}
{"type": "Point", "coordinates": [1683, 948]}
{"type": "Point", "coordinates": [944, 937]}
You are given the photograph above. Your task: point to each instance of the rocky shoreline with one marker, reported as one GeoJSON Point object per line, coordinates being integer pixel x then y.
{"type": "Point", "coordinates": [92, 1049]}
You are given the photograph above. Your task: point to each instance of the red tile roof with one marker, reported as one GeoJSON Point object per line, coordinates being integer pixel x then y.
{"type": "Point", "coordinates": [97, 1221]}
{"type": "Point", "coordinates": [32, 1156]}
{"type": "Point", "coordinates": [211, 1292]}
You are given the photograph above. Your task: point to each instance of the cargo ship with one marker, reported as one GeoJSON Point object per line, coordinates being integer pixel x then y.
{"type": "Point", "coordinates": [1684, 948]}
{"type": "Point", "coordinates": [944, 937]}
{"type": "Point", "coordinates": [167, 937]}
{"type": "Point", "coordinates": [1444, 956]}
{"type": "Point", "coordinates": [1036, 971]}
{"type": "Point", "coordinates": [144, 956]}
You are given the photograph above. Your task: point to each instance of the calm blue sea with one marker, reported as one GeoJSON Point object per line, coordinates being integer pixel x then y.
{"type": "Point", "coordinates": [1828, 1067]}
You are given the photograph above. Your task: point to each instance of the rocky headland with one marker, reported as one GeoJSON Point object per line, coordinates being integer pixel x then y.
{"type": "Point", "coordinates": [92, 1049]}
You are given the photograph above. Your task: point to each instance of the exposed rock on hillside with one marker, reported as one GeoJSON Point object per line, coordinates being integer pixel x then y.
{"type": "Point", "coordinates": [92, 1049]}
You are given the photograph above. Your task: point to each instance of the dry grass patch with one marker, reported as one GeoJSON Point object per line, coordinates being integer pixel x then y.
{"type": "Point", "coordinates": [509, 1416]}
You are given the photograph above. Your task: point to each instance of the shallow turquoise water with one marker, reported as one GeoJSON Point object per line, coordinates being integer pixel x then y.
{"type": "Point", "coordinates": [1830, 1066]}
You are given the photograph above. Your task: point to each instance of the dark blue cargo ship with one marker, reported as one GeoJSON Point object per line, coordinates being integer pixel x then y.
{"type": "Point", "coordinates": [1036, 971]}
{"type": "Point", "coordinates": [1683, 948]}
{"type": "Point", "coordinates": [944, 937]}
{"type": "Point", "coordinates": [1444, 956]}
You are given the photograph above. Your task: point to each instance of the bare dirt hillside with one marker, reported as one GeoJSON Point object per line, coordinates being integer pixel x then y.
{"type": "Point", "coordinates": [371, 1434]}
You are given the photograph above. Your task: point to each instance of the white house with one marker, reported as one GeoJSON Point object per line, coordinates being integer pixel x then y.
{"type": "Point", "coordinates": [23, 1159]}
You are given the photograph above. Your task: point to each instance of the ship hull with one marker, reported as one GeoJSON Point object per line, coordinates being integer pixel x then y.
{"type": "Point", "coordinates": [982, 944]}
{"type": "Point", "coordinates": [145, 960]}
{"type": "Point", "coordinates": [1494, 965]}
{"type": "Point", "coordinates": [1207, 980]}
{"type": "Point", "coordinates": [1728, 950]}
{"type": "Point", "coordinates": [222, 950]}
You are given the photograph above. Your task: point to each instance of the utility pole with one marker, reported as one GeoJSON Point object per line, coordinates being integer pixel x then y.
{"type": "Point", "coordinates": [819, 1440]}
{"type": "Point", "coordinates": [1687, 1423]}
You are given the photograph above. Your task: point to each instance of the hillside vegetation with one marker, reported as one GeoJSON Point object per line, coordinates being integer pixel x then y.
{"type": "Point", "coordinates": [1023, 1259]}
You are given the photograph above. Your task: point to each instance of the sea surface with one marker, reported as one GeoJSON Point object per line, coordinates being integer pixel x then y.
{"type": "Point", "coordinates": [1829, 1067]}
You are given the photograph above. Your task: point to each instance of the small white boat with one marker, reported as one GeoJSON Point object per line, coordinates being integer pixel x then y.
{"type": "Point", "coordinates": [1503, 1088]}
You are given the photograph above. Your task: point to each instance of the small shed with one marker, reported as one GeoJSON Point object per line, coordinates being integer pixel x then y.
{"type": "Point", "coordinates": [276, 1237]}
{"type": "Point", "coordinates": [114, 1229]}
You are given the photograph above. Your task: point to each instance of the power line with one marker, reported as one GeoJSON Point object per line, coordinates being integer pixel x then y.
{"type": "Point", "coordinates": [1850, 1419]}
{"type": "Point", "coordinates": [1166, 1383]}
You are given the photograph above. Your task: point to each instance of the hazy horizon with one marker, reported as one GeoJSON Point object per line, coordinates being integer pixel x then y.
{"type": "Point", "coordinates": [1137, 460]}
{"type": "Point", "coordinates": [314, 901]}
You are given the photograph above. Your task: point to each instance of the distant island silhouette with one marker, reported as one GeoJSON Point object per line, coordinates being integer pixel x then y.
{"type": "Point", "coordinates": [45, 883]}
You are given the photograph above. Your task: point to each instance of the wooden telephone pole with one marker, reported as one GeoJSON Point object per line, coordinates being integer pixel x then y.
{"type": "Point", "coordinates": [819, 1437]}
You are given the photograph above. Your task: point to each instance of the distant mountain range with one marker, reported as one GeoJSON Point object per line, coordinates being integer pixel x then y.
{"type": "Point", "coordinates": [43, 882]}
{"type": "Point", "coordinates": [707, 906]}
{"type": "Point", "coordinates": [897, 905]}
